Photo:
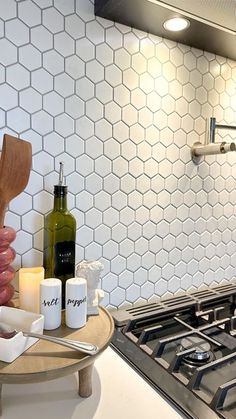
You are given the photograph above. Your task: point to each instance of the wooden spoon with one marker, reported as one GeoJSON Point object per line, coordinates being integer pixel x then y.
{"type": "Point", "coordinates": [15, 165]}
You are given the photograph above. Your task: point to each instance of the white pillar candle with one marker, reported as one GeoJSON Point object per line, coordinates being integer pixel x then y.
{"type": "Point", "coordinates": [76, 302]}
{"type": "Point", "coordinates": [29, 288]}
{"type": "Point", "coordinates": [50, 302]}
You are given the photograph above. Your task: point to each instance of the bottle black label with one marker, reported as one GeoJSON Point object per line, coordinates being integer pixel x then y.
{"type": "Point", "coordinates": [64, 258]}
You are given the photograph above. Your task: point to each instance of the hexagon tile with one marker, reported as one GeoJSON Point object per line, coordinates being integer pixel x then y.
{"type": "Point", "coordinates": [121, 108]}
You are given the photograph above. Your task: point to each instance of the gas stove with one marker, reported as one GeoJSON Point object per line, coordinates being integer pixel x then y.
{"type": "Point", "coordinates": [185, 347]}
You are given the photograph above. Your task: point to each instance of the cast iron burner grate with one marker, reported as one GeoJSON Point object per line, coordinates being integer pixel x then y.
{"type": "Point", "coordinates": [186, 347]}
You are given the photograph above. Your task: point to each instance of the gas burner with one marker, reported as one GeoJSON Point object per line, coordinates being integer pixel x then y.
{"type": "Point", "coordinates": [203, 353]}
{"type": "Point", "coordinates": [185, 346]}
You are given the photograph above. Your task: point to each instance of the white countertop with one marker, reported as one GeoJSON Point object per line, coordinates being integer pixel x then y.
{"type": "Point", "coordinates": [118, 393]}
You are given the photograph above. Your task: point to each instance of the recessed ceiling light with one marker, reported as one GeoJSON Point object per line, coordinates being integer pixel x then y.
{"type": "Point", "coordinates": [176, 24]}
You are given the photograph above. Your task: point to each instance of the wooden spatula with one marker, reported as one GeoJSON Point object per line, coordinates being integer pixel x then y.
{"type": "Point", "coordinates": [15, 165]}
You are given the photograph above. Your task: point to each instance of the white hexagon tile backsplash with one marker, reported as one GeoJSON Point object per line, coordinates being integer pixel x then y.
{"type": "Point", "coordinates": [121, 108]}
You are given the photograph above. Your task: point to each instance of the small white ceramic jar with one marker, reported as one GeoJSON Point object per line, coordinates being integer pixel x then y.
{"type": "Point", "coordinates": [76, 302]}
{"type": "Point", "coordinates": [50, 302]}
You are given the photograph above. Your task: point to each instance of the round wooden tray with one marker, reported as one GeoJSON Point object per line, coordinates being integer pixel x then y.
{"type": "Point", "coordinates": [46, 360]}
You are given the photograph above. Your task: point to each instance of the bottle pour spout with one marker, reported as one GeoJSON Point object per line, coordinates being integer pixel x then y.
{"type": "Point", "coordinates": [61, 174]}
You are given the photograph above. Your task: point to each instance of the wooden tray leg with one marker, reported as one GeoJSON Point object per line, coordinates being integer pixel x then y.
{"type": "Point", "coordinates": [85, 381]}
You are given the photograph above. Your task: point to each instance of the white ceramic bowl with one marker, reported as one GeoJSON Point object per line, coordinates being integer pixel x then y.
{"type": "Point", "coordinates": [11, 348]}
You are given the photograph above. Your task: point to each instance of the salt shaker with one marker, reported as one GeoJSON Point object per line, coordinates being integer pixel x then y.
{"type": "Point", "coordinates": [50, 302]}
{"type": "Point", "coordinates": [76, 302]}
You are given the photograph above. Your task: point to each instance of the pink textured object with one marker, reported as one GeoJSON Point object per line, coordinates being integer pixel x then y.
{"type": "Point", "coordinates": [7, 273]}
{"type": "Point", "coordinates": [7, 236]}
{"type": "Point", "coordinates": [6, 294]}
{"type": "Point", "coordinates": [6, 257]}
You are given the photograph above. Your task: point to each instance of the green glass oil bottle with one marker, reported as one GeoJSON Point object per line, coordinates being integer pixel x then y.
{"type": "Point", "coordinates": [59, 238]}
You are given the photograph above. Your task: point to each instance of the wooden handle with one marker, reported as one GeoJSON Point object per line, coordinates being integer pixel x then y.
{"type": "Point", "coordinates": [2, 212]}
{"type": "Point", "coordinates": [15, 165]}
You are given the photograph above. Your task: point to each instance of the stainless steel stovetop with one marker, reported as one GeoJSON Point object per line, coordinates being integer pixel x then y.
{"type": "Point", "coordinates": [186, 348]}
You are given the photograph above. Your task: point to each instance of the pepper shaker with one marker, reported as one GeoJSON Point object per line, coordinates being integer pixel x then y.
{"type": "Point", "coordinates": [76, 302]}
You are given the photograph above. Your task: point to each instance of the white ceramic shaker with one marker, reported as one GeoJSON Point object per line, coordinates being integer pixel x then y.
{"type": "Point", "coordinates": [76, 302]}
{"type": "Point", "coordinates": [50, 302]}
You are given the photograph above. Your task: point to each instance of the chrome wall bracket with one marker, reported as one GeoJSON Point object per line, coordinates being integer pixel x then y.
{"type": "Point", "coordinates": [198, 150]}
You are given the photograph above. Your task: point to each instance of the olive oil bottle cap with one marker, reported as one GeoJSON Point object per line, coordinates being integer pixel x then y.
{"type": "Point", "coordinates": [61, 188]}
